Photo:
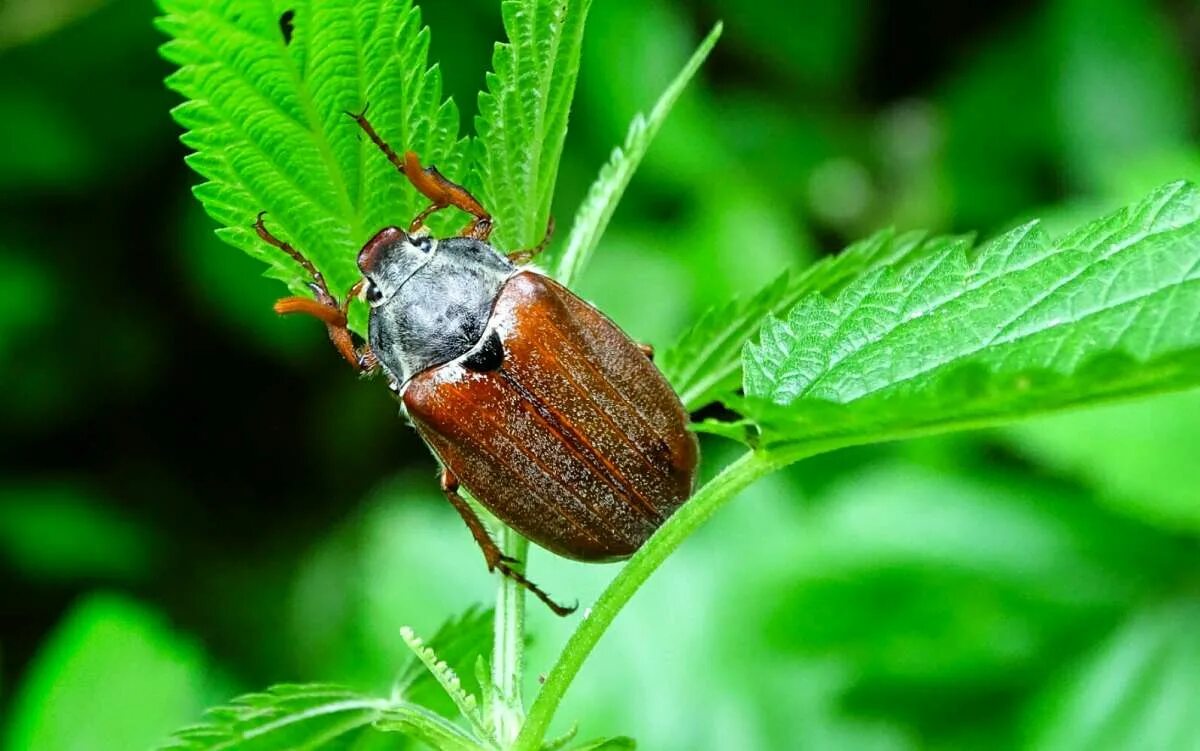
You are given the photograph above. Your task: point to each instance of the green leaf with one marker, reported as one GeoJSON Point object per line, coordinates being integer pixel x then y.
{"type": "Point", "coordinates": [459, 643]}
{"type": "Point", "coordinates": [620, 743]}
{"type": "Point", "coordinates": [522, 119]}
{"type": "Point", "coordinates": [418, 722]}
{"type": "Point", "coordinates": [1023, 326]}
{"type": "Point", "coordinates": [111, 677]}
{"type": "Point", "coordinates": [601, 201]}
{"type": "Point", "coordinates": [267, 122]}
{"type": "Point", "coordinates": [468, 704]}
{"type": "Point", "coordinates": [311, 716]}
{"type": "Point", "coordinates": [1138, 691]}
{"type": "Point", "coordinates": [705, 363]}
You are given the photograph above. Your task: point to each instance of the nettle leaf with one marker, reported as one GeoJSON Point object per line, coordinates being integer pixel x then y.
{"type": "Point", "coordinates": [315, 716]}
{"type": "Point", "coordinates": [447, 678]}
{"type": "Point", "coordinates": [289, 716]}
{"type": "Point", "coordinates": [705, 364]}
{"type": "Point", "coordinates": [522, 119]}
{"type": "Point", "coordinates": [267, 121]}
{"type": "Point", "coordinates": [597, 208]}
{"type": "Point", "coordinates": [954, 339]}
{"type": "Point", "coordinates": [460, 643]}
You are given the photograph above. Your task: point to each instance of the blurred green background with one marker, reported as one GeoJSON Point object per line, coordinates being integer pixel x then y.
{"type": "Point", "coordinates": [197, 499]}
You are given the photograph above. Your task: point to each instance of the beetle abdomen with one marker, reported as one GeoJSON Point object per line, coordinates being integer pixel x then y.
{"type": "Point", "coordinates": [575, 439]}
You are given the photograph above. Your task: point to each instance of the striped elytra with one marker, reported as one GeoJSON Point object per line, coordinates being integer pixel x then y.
{"type": "Point", "coordinates": [559, 424]}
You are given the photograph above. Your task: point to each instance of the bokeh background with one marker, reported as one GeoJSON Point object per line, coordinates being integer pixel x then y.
{"type": "Point", "coordinates": [197, 499]}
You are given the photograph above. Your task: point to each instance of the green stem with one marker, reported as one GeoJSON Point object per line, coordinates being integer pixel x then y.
{"type": "Point", "coordinates": [508, 648]}
{"type": "Point", "coordinates": [733, 479]}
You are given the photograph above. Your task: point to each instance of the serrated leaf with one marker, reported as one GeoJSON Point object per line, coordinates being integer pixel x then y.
{"type": "Point", "coordinates": [522, 119]}
{"type": "Point", "coordinates": [601, 201]}
{"type": "Point", "coordinates": [460, 643]}
{"type": "Point", "coordinates": [1023, 326]}
{"type": "Point", "coordinates": [313, 716]}
{"type": "Point", "coordinates": [445, 675]}
{"type": "Point", "coordinates": [266, 120]}
{"type": "Point", "coordinates": [706, 361]}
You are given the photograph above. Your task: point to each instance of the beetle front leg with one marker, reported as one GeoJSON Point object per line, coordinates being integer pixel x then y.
{"type": "Point", "coordinates": [432, 184]}
{"type": "Point", "coordinates": [324, 308]}
{"type": "Point", "coordinates": [647, 350]}
{"type": "Point", "coordinates": [496, 560]}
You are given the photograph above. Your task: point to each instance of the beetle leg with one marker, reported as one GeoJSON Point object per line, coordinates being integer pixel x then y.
{"type": "Point", "coordinates": [522, 257]}
{"type": "Point", "coordinates": [496, 560]}
{"type": "Point", "coordinates": [325, 307]}
{"type": "Point", "coordinates": [431, 183]}
{"type": "Point", "coordinates": [647, 350]}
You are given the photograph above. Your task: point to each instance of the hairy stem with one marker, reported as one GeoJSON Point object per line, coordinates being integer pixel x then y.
{"type": "Point", "coordinates": [508, 648]}
{"type": "Point", "coordinates": [733, 479]}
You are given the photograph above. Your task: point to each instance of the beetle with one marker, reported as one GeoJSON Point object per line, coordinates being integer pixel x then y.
{"type": "Point", "coordinates": [550, 415]}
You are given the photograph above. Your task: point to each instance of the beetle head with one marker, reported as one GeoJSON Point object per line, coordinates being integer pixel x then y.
{"type": "Point", "coordinates": [390, 258]}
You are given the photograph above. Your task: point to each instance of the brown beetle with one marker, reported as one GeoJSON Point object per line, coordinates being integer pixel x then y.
{"type": "Point", "coordinates": [548, 413]}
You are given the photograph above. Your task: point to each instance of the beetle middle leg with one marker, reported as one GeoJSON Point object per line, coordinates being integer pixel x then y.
{"type": "Point", "coordinates": [325, 307]}
{"type": "Point", "coordinates": [432, 184]}
{"type": "Point", "coordinates": [496, 560]}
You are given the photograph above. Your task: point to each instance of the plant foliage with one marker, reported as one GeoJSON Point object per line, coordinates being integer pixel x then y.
{"type": "Point", "coordinates": [522, 120]}
{"type": "Point", "coordinates": [956, 338]}
{"type": "Point", "coordinates": [267, 121]}
{"type": "Point", "coordinates": [899, 335]}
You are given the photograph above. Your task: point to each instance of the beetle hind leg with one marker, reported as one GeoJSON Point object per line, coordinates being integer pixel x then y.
{"type": "Point", "coordinates": [496, 560]}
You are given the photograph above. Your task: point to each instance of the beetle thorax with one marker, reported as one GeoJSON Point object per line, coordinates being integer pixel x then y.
{"type": "Point", "coordinates": [440, 312]}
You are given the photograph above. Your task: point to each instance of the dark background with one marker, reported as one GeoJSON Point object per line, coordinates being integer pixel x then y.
{"type": "Point", "coordinates": [197, 498]}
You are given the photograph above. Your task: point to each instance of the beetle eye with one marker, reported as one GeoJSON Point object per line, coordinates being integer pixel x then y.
{"type": "Point", "coordinates": [372, 293]}
{"type": "Point", "coordinates": [423, 244]}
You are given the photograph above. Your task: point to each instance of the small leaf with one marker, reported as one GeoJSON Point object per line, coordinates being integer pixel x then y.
{"type": "Point", "coordinates": [468, 705]}
{"type": "Point", "coordinates": [620, 743]}
{"type": "Point", "coordinates": [308, 716]}
{"type": "Point", "coordinates": [597, 208]}
{"type": "Point", "coordinates": [460, 642]}
{"type": "Point", "coordinates": [957, 340]}
{"type": "Point", "coordinates": [425, 725]}
{"type": "Point", "coordinates": [267, 122]}
{"type": "Point", "coordinates": [522, 119]}
{"type": "Point", "coordinates": [706, 362]}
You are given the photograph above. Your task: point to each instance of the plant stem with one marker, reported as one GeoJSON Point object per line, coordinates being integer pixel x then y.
{"type": "Point", "coordinates": [508, 647]}
{"type": "Point", "coordinates": [733, 479]}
